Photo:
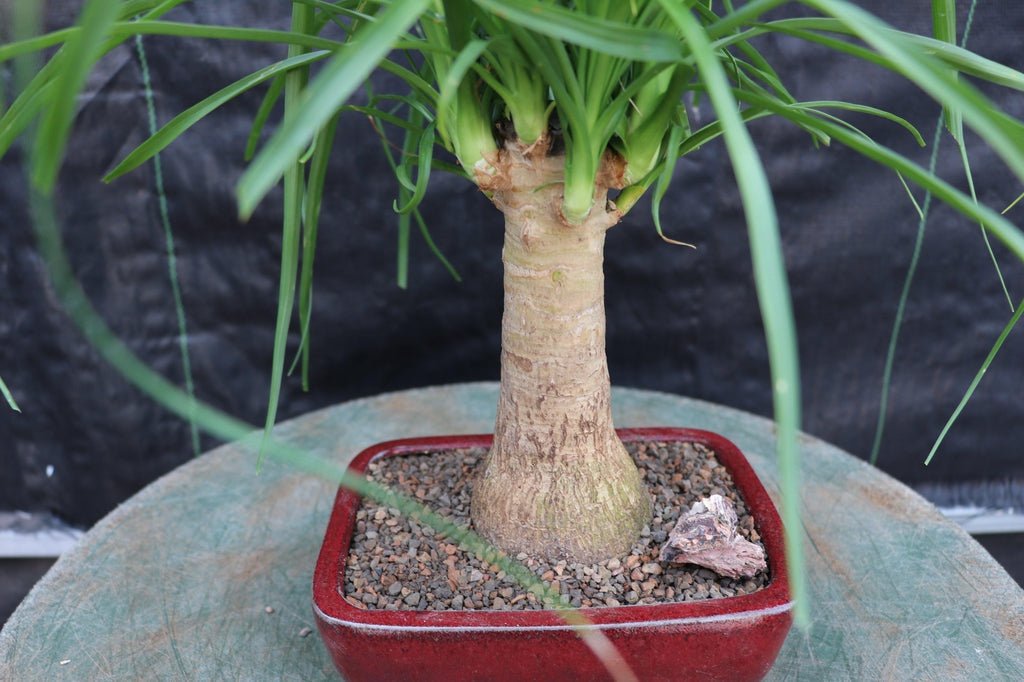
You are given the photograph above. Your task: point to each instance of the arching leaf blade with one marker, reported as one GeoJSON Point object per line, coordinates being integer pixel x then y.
{"type": "Point", "coordinates": [428, 239]}
{"type": "Point", "coordinates": [217, 32]}
{"type": "Point", "coordinates": [1013, 203]}
{"type": "Point", "coordinates": [865, 109]}
{"type": "Point", "coordinates": [270, 99]}
{"type": "Point", "coordinates": [325, 94]}
{"type": "Point", "coordinates": [601, 35]}
{"type": "Point", "coordinates": [424, 155]}
{"type": "Point", "coordinates": [80, 53]}
{"type": "Point", "coordinates": [310, 228]}
{"type": "Point", "coordinates": [188, 118]}
{"type": "Point", "coordinates": [1003, 134]}
{"type": "Point", "coordinates": [462, 64]}
{"type": "Point", "coordinates": [675, 138]}
{"type": "Point", "coordinates": [772, 287]}
{"type": "Point", "coordinates": [8, 396]}
{"type": "Point", "coordinates": [813, 29]}
{"type": "Point", "coordinates": [18, 48]}
{"type": "Point", "coordinates": [1014, 319]}
{"type": "Point", "coordinates": [944, 29]}
{"type": "Point", "coordinates": [22, 112]}
{"type": "Point", "coordinates": [291, 229]}
{"type": "Point", "coordinates": [994, 223]}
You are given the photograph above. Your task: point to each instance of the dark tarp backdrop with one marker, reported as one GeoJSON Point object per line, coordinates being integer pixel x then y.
{"type": "Point", "coordinates": [681, 321]}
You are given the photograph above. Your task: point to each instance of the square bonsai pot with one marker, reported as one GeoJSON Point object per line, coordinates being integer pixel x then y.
{"type": "Point", "coordinates": [730, 638]}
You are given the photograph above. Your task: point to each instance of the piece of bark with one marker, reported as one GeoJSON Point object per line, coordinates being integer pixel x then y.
{"type": "Point", "coordinates": [706, 535]}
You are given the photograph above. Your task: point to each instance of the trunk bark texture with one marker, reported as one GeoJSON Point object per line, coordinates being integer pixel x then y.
{"type": "Point", "coordinates": [557, 482]}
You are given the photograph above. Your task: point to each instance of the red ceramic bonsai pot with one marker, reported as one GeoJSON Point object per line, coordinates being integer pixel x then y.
{"type": "Point", "coordinates": [732, 638]}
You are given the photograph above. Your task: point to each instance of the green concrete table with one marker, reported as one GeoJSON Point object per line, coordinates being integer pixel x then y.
{"type": "Point", "coordinates": [176, 583]}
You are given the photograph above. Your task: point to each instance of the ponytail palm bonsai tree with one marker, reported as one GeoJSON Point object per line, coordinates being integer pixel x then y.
{"type": "Point", "coordinates": [564, 113]}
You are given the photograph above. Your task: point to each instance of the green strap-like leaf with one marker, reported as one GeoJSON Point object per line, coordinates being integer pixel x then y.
{"type": "Point", "coordinates": [432, 245]}
{"type": "Point", "coordinates": [36, 43]}
{"type": "Point", "coordinates": [1013, 203]}
{"type": "Point", "coordinates": [675, 137]}
{"type": "Point", "coordinates": [324, 96]}
{"type": "Point", "coordinates": [977, 380]}
{"type": "Point", "coordinates": [614, 38]}
{"type": "Point", "coordinates": [968, 206]}
{"type": "Point", "coordinates": [944, 29]}
{"type": "Point", "coordinates": [454, 78]}
{"type": "Point", "coordinates": [741, 17]}
{"type": "Point", "coordinates": [714, 130]}
{"type": "Point", "coordinates": [966, 162]}
{"type": "Point", "coordinates": [1004, 135]}
{"type": "Point", "coordinates": [772, 287]}
{"type": "Point", "coordinates": [8, 396]}
{"type": "Point", "coordinates": [403, 225]}
{"type": "Point", "coordinates": [968, 62]}
{"type": "Point", "coordinates": [865, 109]}
{"type": "Point", "coordinates": [413, 142]}
{"type": "Point", "coordinates": [993, 222]}
{"type": "Point", "coordinates": [846, 124]}
{"type": "Point", "coordinates": [458, 15]}
{"type": "Point", "coordinates": [149, 9]}
{"type": "Point", "coordinates": [423, 158]}
{"type": "Point", "coordinates": [215, 32]}
{"type": "Point", "coordinates": [30, 101]}
{"type": "Point", "coordinates": [812, 29]}
{"type": "Point", "coordinates": [267, 104]}
{"type": "Point", "coordinates": [310, 227]}
{"type": "Point", "coordinates": [188, 118]}
{"type": "Point", "coordinates": [757, 61]}
{"type": "Point", "coordinates": [22, 112]}
{"type": "Point", "coordinates": [81, 51]}
{"type": "Point", "coordinates": [381, 115]}
{"type": "Point", "coordinates": [291, 228]}
{"type": "Point", "coordinates": [121, 30]}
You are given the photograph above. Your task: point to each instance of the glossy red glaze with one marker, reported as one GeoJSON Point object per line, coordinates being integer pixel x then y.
{"type": "Point", "coordinates": [733, 638]}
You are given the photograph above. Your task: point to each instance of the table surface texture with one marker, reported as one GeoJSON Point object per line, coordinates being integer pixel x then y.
{"type": "Point", "coordinates": [175, 583]}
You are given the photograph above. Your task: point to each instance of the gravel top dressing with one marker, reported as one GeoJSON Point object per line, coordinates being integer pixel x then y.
{"type": "Point", "coordinates": [398, 563]}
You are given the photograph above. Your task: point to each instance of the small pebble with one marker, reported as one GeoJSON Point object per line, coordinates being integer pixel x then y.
{"type": "Point", "coordinates": [268, 609]}
{"type": "Point", "coordinates": [305, 632]}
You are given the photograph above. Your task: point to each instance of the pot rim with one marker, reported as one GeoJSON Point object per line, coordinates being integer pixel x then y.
{"type": "Point", "coordinates": [331, 607]}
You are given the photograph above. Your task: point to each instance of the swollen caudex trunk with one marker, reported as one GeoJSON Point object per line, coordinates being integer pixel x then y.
{"type": "Point", "coordinates": [558, 482]}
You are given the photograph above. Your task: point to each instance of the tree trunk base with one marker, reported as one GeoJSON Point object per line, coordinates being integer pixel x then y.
{"type": "Point", "coordinates": [557, 483]}
{"type": "Point", "coordinates": [588, 514]}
